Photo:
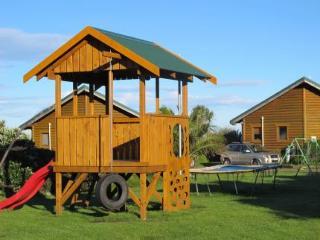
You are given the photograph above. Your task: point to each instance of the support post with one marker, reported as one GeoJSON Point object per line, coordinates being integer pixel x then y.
{"type": "Point", "coordinates": [58, 193]}
{"type": "Point", "coordinates": [57, 111]}
{"type": "Point", "coordinates": [143, 196]}
{"type": "Point", "coordinates": [157, 96]}
{"type": "Point", "coordinates": [110, 102]}
{"type": "Point", "coordinates": [75, 99]}
{"type": "Point", "coordinates": [91, 98]}
{"type": "Point", "coordinates": [185, 98]}
{"type": "Point", "coordinates": [262, 131]}
{"type": "Point", "coordinates": [142, 96]}
{"type": "Point", "coordinates": [58, 96]}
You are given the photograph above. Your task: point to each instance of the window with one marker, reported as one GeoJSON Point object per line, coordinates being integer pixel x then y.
{"type": "Point", "coordinates": [257, 134]}
{"type": "Point", "coordinates": [283, 133]}
{"type": "Point", "coordinates": [235, 147]}
{"type": "Point", "coordinates": [44, 139]}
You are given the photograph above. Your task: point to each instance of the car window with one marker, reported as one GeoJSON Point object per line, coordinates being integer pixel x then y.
{"type": "Point", "coordinates": [234, 147]}
{"type": "Point", "coordinates": [245, 148]}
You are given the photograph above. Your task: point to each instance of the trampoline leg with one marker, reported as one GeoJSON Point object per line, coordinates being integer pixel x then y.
{"type": "Point", "coordinates": [208, 184]}
{"type": "Point", "coordinates": [262, 177]}
{"type": "Point", "coordinates": [220, 183]}
{"type": "Point", "coordinates": [255, 182]}
{"type": "Point", "coordinates": [274, 178]}
{"type": "Point", "coordinates": [235, 183]}
{"type": "Point", "coordinates": [195, 178]}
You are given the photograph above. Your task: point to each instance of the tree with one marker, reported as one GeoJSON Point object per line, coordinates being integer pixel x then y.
{"type": "Point", "coordinates": [204, 140]}
{"type": "Point", "coordinates": [231, 135]}
{"type": "Point", "coordinates": [166, 110]}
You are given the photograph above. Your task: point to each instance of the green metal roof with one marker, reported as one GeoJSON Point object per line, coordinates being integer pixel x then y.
{"type": "Point", "coordinates": [156, 54]}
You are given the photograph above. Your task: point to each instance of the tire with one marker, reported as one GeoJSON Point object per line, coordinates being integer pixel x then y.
{"type": "Point", "coordinates": [256, 162]}
{"type": "Point", "coordinates": [226, 161]}
{"type": "Point", "coordinates": [112, 199]}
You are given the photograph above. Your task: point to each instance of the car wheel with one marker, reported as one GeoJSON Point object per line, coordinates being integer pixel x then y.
{"type": "Point", "coordinates": [256, 162]}
{"type": "Point", "coordinates": [226, 161]}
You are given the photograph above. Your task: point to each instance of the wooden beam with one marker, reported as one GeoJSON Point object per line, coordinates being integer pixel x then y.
{"type": "Point", "coordinates": [91, 98]}
{"type": "Point", "coordinates": [58, 193]}
{"type": "Point", "coordinates": [111, 55]}
{"type": "Point", "coordinates": [142, 104]}
{"type": "Point", "coordinates": [143, 196]}
{"type": "Point", "coordinates": [110, 105]}
{"type": "Point", "coordinates": [58, 96]}
{"type": "Point", "coordinates": [75, 99]}
{"type": "Point", "coordinates": [134, 198]}
{"type": "Point", "coordinates": [152, 188]}
{"type": "Point", "coordinates": [74, 187]}
{"type": "Point", "coordinates": [185, 98]}
{"type": "Point", "coordinates": [157, 96]}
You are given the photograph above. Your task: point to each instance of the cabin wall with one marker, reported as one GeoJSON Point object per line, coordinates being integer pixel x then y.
{"type": "Point", "coordinates": [286, 110]}
{"type": "Point", "coordinates": [312, 105]}
{"type": "Point", "coordinates": [42, 126]}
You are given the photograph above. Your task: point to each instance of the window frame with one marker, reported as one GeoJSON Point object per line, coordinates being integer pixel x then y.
{"type": "Point", "coordinates": [253, 134]}
{"type": "Point", "coordinates": [278, 132]}
{"type": "Point", "coordinates": [41, 142]}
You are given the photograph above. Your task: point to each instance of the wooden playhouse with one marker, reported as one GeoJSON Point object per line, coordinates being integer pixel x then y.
{"type": "Point", "coordinates": [85, 144]}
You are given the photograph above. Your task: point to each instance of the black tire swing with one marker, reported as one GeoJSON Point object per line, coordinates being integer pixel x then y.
{"type": "Point", "coordinates": [112, 191]}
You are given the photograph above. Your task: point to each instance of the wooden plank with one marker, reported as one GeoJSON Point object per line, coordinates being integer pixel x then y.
{"type": "Point", "coordinates": [152, 188]}
{"type": "Point", "coordinates": [75, 99]}
{"type": "Point", "coordinates": [142, 95]}
{"type": "Point", "coordinates": [157, 96]}
{"type": "Point", "coordinates": [134, 197]}
{"type": "Point", "coordinates": [143, 196]}
{"type": "Point", "coordinates": [185, 98]}
{"type": "Point", "coordinates": [89, 57]}
{"type": "Point", "coordinates": [58, 193]}
{"type": "Point", "coordinates": [74, 187]}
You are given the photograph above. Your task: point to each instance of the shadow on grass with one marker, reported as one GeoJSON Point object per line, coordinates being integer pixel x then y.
{"type": "Point", "coordinates": [293, 197]}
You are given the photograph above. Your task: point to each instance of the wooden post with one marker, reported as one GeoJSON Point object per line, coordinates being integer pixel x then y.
{"type": "Point", "coordinates": [185, 98]}
{"type": "Point", "coordinates": [107, 96]}
{"type": "Point", "coordinates": [143, 196]}
{"type": "Point", "coordinates": [91, 98]}
{"type": "Point", "coordinates": [143, 125]}
{"type": "Point", "coordinates": [58, 193]}
{"type": "Point", "coordinates": [58, 114]}
{"type": "Point", "coordinates": [110, 102]}
{"type": "Point", "coordinates": [157, 96]}
{"type": "Point", "coordinates": [58, 96]}
{"type": "Point", "coordinates": [75, 99]}
{"type": "Point", "coordinates": [142, 96]}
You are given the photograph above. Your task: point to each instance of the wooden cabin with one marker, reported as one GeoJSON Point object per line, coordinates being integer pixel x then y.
{"type": "Point", "coordinates": [290, 113]}
{"type": "Point", "coordinates": [42, 125]}
{"type": "Point", "coordinates": [84, 144]}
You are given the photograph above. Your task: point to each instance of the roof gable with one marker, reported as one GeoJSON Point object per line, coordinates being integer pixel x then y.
{"type": "Point", "coordinates": [303, 80]}
{"type": "Point", "coordinates": [147, 54]}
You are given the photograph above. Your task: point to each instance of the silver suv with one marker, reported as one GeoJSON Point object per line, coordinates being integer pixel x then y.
{"type": "Point", "coordinates": [244, 153]}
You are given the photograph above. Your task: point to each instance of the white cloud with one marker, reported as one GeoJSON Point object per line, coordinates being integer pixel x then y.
{"type": "Point", "coordinates": [226, 100]}
{"type": "Point", "coordinates": [17, 45]}
{"type": "Point", "coordinates": [241, 83]}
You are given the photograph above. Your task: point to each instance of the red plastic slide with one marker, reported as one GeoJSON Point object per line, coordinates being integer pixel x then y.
{"type": "Point", "coordinates": [29, 189]}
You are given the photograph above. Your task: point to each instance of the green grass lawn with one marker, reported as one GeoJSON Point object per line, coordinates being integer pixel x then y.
{"type": "Point", "coordinates": [292, 211]}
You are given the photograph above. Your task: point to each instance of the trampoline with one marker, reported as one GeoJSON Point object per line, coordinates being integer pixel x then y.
{"type": "Point", "coordinates": [235, 170]}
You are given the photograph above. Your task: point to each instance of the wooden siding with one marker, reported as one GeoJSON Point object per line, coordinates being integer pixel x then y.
{"type": "Point", "coordinates": [42, 125]}
{"type": "Point", "coordinates": [312, 118]}
{"type": "Point", "coordinates": [286, 110]}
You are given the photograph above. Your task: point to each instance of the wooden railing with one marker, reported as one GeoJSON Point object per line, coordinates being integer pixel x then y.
{"type": "Point", "coordinates": [157, 139]}
{"type": "Point", "coordinates": [85, 140]}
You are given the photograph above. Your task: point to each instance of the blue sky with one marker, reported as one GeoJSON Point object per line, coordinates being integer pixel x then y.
{"type": "Point", "coordinates": [254, 48]}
